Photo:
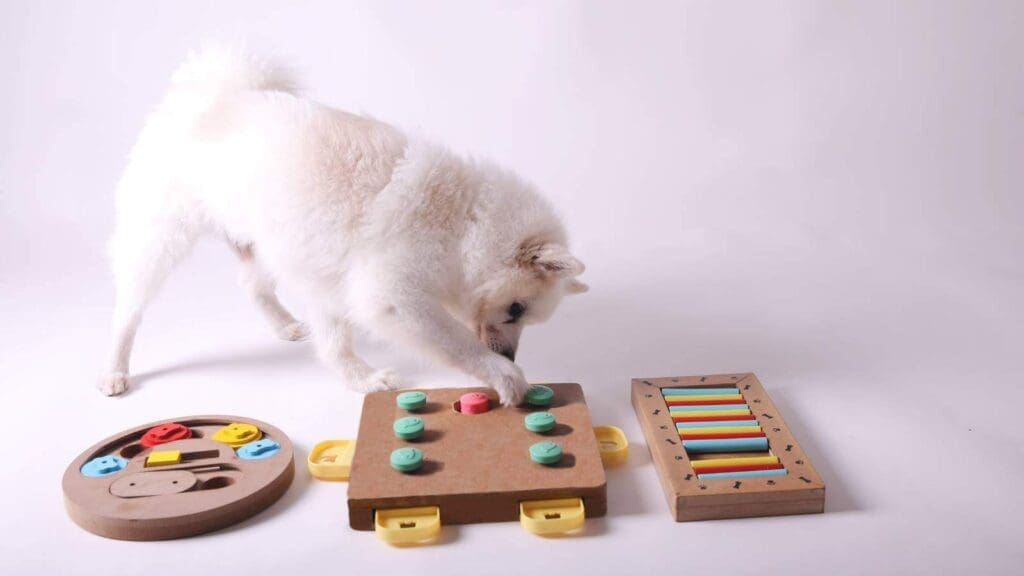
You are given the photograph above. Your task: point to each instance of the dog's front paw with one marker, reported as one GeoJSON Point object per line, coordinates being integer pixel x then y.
{"type": "Point", "coordinates": [293, 332]}
{"type": "Point", "coordinates": [507, 379]}
{"type": "Point", "coordinates": [383, 379]}
{"type": "Point", "coordinates": [113, 383]}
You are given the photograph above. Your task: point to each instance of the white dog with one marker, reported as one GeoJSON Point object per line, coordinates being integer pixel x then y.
{"type": "Point", "coordinates": [371, 228]}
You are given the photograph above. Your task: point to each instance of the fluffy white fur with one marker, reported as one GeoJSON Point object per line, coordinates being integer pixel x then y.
{"type": "Point", "coordinates": [371, 228]}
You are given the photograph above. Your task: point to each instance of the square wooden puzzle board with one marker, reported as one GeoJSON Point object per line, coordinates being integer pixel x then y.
{"type": "Point", "coordinates": [476, 467]}
{"type": "Point", "coordinates": [800, 491]}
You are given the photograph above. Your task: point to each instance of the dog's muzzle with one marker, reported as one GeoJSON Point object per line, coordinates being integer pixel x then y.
{"type": "Point", "coordinates": [501, 342]}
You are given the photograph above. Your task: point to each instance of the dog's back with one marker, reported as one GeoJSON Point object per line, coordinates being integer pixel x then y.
{"type": "Point", "coordinates": [234, 149]}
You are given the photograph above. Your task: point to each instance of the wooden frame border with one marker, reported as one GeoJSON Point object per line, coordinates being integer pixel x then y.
{"type": "Point", "coordinates": [800, 491]}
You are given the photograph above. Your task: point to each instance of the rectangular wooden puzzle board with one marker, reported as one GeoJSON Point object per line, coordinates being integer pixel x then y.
{"type": "Point", "coordinates": [476, 467]}
{"type": "Point", "coordinates": [723, 450]}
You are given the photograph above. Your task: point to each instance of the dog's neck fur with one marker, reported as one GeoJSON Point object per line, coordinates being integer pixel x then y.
{"type": "Point", "coordinates": [480, 216]}
{"type": "Point", "coordinates": [507, 217]}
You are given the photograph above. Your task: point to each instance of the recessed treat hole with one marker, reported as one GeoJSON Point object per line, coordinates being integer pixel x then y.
{"type": "Point", "coordinates": [131, 451]}
{"type": "Point", "coordinates": [217, 482]}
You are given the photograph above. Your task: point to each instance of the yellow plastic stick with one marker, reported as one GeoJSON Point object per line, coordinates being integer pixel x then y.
{"type": "Point", "coordinates": [710, 463]}
{"type": "Point", "coordinates": [717, 430]}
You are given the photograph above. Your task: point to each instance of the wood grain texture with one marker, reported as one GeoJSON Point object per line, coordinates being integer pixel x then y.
{"type": "Point", "coordinates": [209, 489]}
{"type": "Point", "coordinates": [477, 467]}
{"type": "Point", "coordinates": [800, 491]}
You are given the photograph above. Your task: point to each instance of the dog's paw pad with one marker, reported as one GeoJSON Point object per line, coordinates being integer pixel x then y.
{"type": "Point", "coordinates": [113, 383]}
{"type": "Point", "coordinates": [293, 332]}
{"type": "Point", "coordinates": [383, 379]}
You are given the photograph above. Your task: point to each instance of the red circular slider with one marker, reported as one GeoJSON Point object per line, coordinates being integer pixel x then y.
{"type": "Point", "coordinates": [474, 403]}
{"type": "Point", "coordinates": [166, 432]}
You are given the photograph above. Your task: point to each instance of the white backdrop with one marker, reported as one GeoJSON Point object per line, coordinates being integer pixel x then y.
{"type": "Point", "coordinates": [825, 193]}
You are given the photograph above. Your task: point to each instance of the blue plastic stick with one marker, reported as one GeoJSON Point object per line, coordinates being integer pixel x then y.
{"type": "Point", "coordinates": [697, 391]}
{"type": "Point", "coordinates": [713, 424]}
{"type": "Point", "coordinates": [738, 406]}
{"type": "Point", "coordinates": [726, 445]}
{"type": "Point", "coordinates": [743, 474]}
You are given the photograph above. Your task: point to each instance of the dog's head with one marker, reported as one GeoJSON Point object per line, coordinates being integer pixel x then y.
{"type": "Point", "coordinates": [526, 291]}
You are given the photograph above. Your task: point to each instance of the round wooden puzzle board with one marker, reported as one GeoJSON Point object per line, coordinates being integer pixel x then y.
{"type": "Point", "coordinates": [210, 488]}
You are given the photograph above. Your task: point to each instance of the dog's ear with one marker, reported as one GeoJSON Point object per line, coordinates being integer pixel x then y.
{"type": "Point", "coordinates": [574, 286]}
{"type": "Point", "coordinates": [551, 259]}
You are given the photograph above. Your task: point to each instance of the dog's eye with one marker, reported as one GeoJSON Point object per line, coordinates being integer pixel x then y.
{"type": "Point", "coordinates": [516, 311]}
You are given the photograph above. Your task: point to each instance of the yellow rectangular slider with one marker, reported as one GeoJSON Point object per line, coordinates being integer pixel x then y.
{"type": "Point", "coordinates": [163, 458]}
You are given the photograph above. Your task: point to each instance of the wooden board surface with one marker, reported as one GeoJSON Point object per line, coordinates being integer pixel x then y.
{"type": "Point", "coordinates": [213, 489]}
{"type": "Point", "coordinates": [800, 491]}
{"type": "Point", "coordinates": [477, 467]}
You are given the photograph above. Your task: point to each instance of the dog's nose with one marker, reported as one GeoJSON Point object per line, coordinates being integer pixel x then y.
{"type": "Point", "coordinates": [509, 353]}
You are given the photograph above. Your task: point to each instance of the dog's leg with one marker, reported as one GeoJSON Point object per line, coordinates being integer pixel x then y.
{"type": "Point", "coordinates": [143, 255]}
{"type": "Point", "coordinates": [125, 322]}
{"type": "Point", "coordinates": [333, 338]}
{"type": "Point", "coordinates": [260, 286]}
{"type": "Point", "coordinates": [425, 325]}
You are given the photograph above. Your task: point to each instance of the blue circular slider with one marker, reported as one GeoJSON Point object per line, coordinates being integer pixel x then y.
{"type": "Point", "coordinates": [103, 466]}
{"type": "Point", "coordinates": [258, 450]}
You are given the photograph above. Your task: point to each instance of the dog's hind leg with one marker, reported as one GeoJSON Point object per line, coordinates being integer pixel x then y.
{"type": "Point", "coordinates": [333, 338]}
{"type": "Point", "coordinates": [143, 255]}
{"type": "Point", "coordinates": [261, 288]}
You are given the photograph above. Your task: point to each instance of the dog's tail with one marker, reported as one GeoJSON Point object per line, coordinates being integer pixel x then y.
{"type": "Point", "coordinates": [216, 71]}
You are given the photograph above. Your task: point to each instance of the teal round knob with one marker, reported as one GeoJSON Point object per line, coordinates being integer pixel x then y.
{"type": "Point", "coordinates": [546, 453]}
{"type": "Point", "coordinates": [540, 421]}
{"type": "Point", "coordinates": [408, 428]}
